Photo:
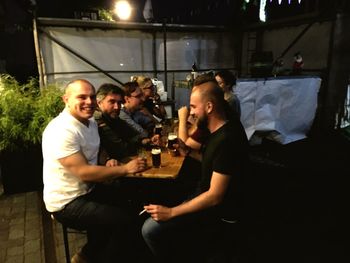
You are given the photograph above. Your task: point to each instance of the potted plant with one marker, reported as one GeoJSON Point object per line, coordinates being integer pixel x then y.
{"type": "Point", "coordinates": [25, 110]}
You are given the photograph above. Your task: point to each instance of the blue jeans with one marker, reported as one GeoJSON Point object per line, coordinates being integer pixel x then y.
{"type": "Point", "coordinates": [112, 229]}
{"type": "Point", "coordinates": [182, 239]}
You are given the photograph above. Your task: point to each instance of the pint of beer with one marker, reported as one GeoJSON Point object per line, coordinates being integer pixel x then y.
{"type": "Point", "coordinates": [172, 139]}
{"type": "Point", "coordinates": [156, 160]}
{"type": "Point", "coordinates": [158, 129]}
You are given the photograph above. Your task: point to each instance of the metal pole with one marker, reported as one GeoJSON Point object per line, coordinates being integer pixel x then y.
{"type": "Point", "coordinates": [154, 55]}
{"type": "Point", "coordinates": [39, 59]}
{"type": "Point", "coordinates": [165, 60]}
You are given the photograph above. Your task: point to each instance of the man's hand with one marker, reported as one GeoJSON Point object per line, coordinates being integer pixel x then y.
{"type": "Point", "coordinates": [183, 114]}
{"type": "Point", "coordinates": [182, 147]}
{"type": "Point", "coordinates": [136, 165]}
{"type": "Point", "coordinates": [156, 140]}
{"type": "Point", "coordinates": [158, 212]}
{"type": "Point", "coordinates": [112, 162]}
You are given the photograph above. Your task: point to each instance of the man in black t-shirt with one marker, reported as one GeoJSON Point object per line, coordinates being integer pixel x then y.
{"type": "Point", "coordinates": [224, 158]}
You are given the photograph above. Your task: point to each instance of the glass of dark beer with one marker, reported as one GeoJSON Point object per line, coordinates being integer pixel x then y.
{"type": "Point", "coordinates": [156, 160]}
{"type": "Point", "coordinates": [172, 139]}
{"type": "Point", "coordinates": [158, 129]}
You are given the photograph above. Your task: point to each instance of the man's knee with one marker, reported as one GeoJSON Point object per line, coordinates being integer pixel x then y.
{"type": "Point", "coordinates": [149, 229]}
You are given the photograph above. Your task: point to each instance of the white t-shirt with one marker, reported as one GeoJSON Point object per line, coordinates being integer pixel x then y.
{"type": "Point", "coordinates": [62, 137]}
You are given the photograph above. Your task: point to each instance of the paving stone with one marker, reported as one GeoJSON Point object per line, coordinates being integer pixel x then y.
{"type": "Point", "coordinates": [16, 231]}
{"type": "Point", "coordinates": [14, 259]}
{"type": "Point", "coordinates": [34, 257]}
{"type": "Point", "coordinates": [5, 209]}
{"type": "Point", "coordinates": [32, 215]}
{"type": "Point", "coordinates": [31, 196]}
{"type": "Point", "coordinates": [19, 199]}
{"type": "Point", "coordinates": [33, 223]}
{"type": "Point", "coordinates": [4, 224]}
{"type": "Point", "coordinates": [15, 221]}
{"type": "Point", "coordinates": [32, 233]}
{"type": "Point", "coordinates": [12, 243]}
{"type": "Point", "coordinates": [17, 213]}
{"type": "Point", "coordinates": [15, 251]}
{"type": "Point", "coordinates": [2, 254]}
{"type": "Point", "coordinates": [32, 246]}
{"type": "Point", "coordinates": [4, 234]}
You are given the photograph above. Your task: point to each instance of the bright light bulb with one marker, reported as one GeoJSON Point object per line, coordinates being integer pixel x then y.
{"type": "Point", "coordinates": [123, 10]}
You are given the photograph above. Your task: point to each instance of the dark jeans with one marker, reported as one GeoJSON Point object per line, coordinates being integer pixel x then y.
{"type": "Point", "coordinates": [185, 239]}
{"type": "Point", "coordinates": [113, 228]}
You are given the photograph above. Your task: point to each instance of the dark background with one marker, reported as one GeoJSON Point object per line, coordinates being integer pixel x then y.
{"type": "Point", "coordinates": [298, 193]}
{"type": "Point", "coordinates": [17, 54]}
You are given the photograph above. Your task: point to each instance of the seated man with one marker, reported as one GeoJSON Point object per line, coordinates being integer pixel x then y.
{"type": "Point", "coordinates": [133, 101]}
{"type": "Point", "coordinates": [189, 227]}
{"type": "Point", "coordinates": [118, 139]}
{"type": "Point", "coordinates": [152, 105]}
{"type": "Point", "coordinates": [194, 138]}
{"type": "Point", "coordinates": [72, 192]}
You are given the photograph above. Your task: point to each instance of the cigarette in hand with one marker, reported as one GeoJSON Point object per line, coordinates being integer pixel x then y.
{"type": "Point", "coordinates": [144, 210]}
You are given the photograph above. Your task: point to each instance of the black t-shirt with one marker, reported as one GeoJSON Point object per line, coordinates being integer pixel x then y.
{"type": "Point", "coordinates": [226, 152]}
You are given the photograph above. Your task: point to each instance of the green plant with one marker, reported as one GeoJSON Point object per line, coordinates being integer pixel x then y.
{"type": "Point", "coordinates": [48, 105]}
{"type": "Point", "coordinates": [25, 110]}
{"type": "Point", "coordinates": [105, 15]}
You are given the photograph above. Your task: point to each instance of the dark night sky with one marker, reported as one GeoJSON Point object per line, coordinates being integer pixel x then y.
{"type": "Point", "coordinates": [16, 45]}
{"type": "Point", "coordinates": [179, 11]}
{"type": "Point", "coordinates": [16, 21]}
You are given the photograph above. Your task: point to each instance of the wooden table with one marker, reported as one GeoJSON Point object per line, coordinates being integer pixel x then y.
{"type": "Point", "coordinates": [169, 169]}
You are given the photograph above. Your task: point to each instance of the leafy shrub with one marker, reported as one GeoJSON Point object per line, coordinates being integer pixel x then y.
{"type": "Point", "coordinates": [25, 111]}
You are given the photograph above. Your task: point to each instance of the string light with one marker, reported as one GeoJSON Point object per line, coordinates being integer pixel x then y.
{"type": "Point", "coordinates": [280, 1]}
{"type": "Point", "coordinates": [262, 14]}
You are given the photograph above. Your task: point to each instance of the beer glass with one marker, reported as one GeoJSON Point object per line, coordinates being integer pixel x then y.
{"type": "Point", "coordinates": [172, 139]}
{"type": "Point", "coordinates": [158, 129]}
{"type": "Point", "coordinates": [156, 157]}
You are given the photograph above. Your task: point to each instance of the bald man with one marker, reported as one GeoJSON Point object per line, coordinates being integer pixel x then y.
{"type": "Point", "coordinates": [72, 192]}
{"type": "Point", "coordinates": [224, 160]}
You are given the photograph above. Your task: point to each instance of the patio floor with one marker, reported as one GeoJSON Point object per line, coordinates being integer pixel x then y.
{"type": "Point", "coordinates": [27, 233]}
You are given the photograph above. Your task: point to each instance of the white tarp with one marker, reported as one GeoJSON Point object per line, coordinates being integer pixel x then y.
{"type": "Point", "coordinates": [126, 52]}
{"type": "Point", "coordinates": [281, 108]}
{"type": "Point", "coordinates": [110, 50]}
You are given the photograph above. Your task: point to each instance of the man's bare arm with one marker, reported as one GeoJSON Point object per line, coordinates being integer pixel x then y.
{"type": "Point", "coordinates": [214, 196]}
{"type": "Point", "coordinates": [78, 165]}
{"type": "Point", "coordinates": [210, 198]}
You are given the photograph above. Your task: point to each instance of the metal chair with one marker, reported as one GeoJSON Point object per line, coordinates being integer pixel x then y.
{"type": "Point", "coordinates": [66, 230]}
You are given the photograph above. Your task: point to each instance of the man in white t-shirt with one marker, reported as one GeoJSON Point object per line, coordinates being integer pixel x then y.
{"type": "Point", "coordinates": [72, 189]}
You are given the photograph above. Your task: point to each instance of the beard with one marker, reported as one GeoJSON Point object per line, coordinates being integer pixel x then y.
{"type": "Point", "coordinates": [202, 122]}
{"type": "Point", "coordinates": [114, 114]}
